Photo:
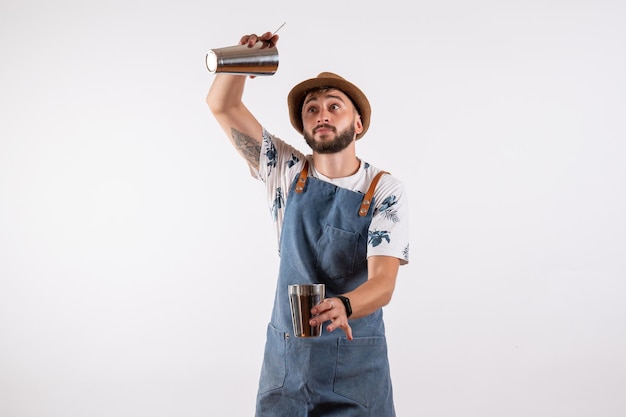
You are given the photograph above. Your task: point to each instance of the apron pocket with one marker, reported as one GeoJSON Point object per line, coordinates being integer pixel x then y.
{"type": "Point", "coordinates": [362, 373]}
{"type": "Point", "coordinates": [336, 251]}
{"type": "Point", "coordinates": [273, 369]}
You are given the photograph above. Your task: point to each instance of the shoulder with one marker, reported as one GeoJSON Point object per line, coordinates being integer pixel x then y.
{"type": "Point", "coordinates": [278, 159]}
{"type": "Point", "coordinates": [275, 148]}
{"type": "Point", "coordinates": [387, 183]}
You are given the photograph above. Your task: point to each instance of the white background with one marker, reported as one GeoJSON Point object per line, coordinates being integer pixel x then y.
{"type": "Point", "coordinates": [137, 260]}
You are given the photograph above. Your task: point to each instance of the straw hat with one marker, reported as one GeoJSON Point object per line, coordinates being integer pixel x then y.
{"type": "Point", "coordinates": [296, 96]}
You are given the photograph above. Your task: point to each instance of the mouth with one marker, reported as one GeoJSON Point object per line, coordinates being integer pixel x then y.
{"type": "Point", "coordinates": [324, 128]}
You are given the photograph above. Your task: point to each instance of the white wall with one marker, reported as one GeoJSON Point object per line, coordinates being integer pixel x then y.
{"type": "Point", "coordinates": [130, 286]}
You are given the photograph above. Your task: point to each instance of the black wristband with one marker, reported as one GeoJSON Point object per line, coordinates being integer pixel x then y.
{"type": "Point", "coordinates": [346, 304]}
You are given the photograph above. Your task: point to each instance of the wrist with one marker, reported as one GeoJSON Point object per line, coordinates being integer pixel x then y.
{"type": "Point", "coordinates": [346, 303]}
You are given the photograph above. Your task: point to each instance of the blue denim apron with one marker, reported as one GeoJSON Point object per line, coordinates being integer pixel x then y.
{"type": "Point", "coordinates": [324, 240]}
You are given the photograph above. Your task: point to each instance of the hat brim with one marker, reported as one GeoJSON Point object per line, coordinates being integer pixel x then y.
{"type": "Point", "coordinates": [296, 97]}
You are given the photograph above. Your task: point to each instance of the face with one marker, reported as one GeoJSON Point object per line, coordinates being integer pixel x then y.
{"type": "Point", "coordinates": [330, 121]}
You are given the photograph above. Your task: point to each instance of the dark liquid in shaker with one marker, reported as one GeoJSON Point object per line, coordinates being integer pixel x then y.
{"type": "Point", "coordinates": [301, 314]}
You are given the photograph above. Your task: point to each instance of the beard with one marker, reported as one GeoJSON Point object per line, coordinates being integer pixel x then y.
{"type": "Point", "coordinates": [341, 141]}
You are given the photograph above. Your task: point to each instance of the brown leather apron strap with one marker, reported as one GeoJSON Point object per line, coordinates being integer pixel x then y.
{"type": "Point", "coordinates": [367, 199]}
{"type": "Point", "coordinates": [302, 178]}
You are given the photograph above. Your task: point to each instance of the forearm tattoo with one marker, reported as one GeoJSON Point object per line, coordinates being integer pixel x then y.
{"type": "Point", "coordinates": [249, 148]}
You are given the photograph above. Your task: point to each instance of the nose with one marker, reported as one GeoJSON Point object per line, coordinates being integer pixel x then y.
{"type": "Point", "coordinates": [322, 116]}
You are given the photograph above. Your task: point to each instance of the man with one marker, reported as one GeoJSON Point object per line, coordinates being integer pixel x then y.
{"type": "Point", "coordinates": [339, 221]}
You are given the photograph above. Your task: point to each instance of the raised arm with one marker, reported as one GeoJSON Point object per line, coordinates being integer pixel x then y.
{"type": "Point", "coordinates": [225, 102]}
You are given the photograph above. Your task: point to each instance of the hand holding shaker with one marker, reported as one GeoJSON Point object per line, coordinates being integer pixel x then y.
{"type": "Point", "coordinates": [302, 298]}
{"type": "Point", "coordinates": [260, 59]}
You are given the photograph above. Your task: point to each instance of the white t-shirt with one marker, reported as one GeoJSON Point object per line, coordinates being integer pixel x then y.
{"type": "Point", "coordinates": [389, 230]}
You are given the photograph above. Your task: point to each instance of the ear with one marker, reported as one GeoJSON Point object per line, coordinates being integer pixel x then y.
{"type": "Point", "coordinates": [358, 124]}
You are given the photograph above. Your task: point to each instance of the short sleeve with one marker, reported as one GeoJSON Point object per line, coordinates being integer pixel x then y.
{"type": "Point", "coordinates": [388, 234]}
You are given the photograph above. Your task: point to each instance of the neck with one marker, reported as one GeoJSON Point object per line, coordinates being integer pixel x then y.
{"type": "Point", "coordinates": [338, 165]}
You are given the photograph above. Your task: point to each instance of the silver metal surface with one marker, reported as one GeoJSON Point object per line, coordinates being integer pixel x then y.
{"type": "Point", "coordinates": [241, 59]}
{"type": "Point", "coordinates": [302, 298]}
